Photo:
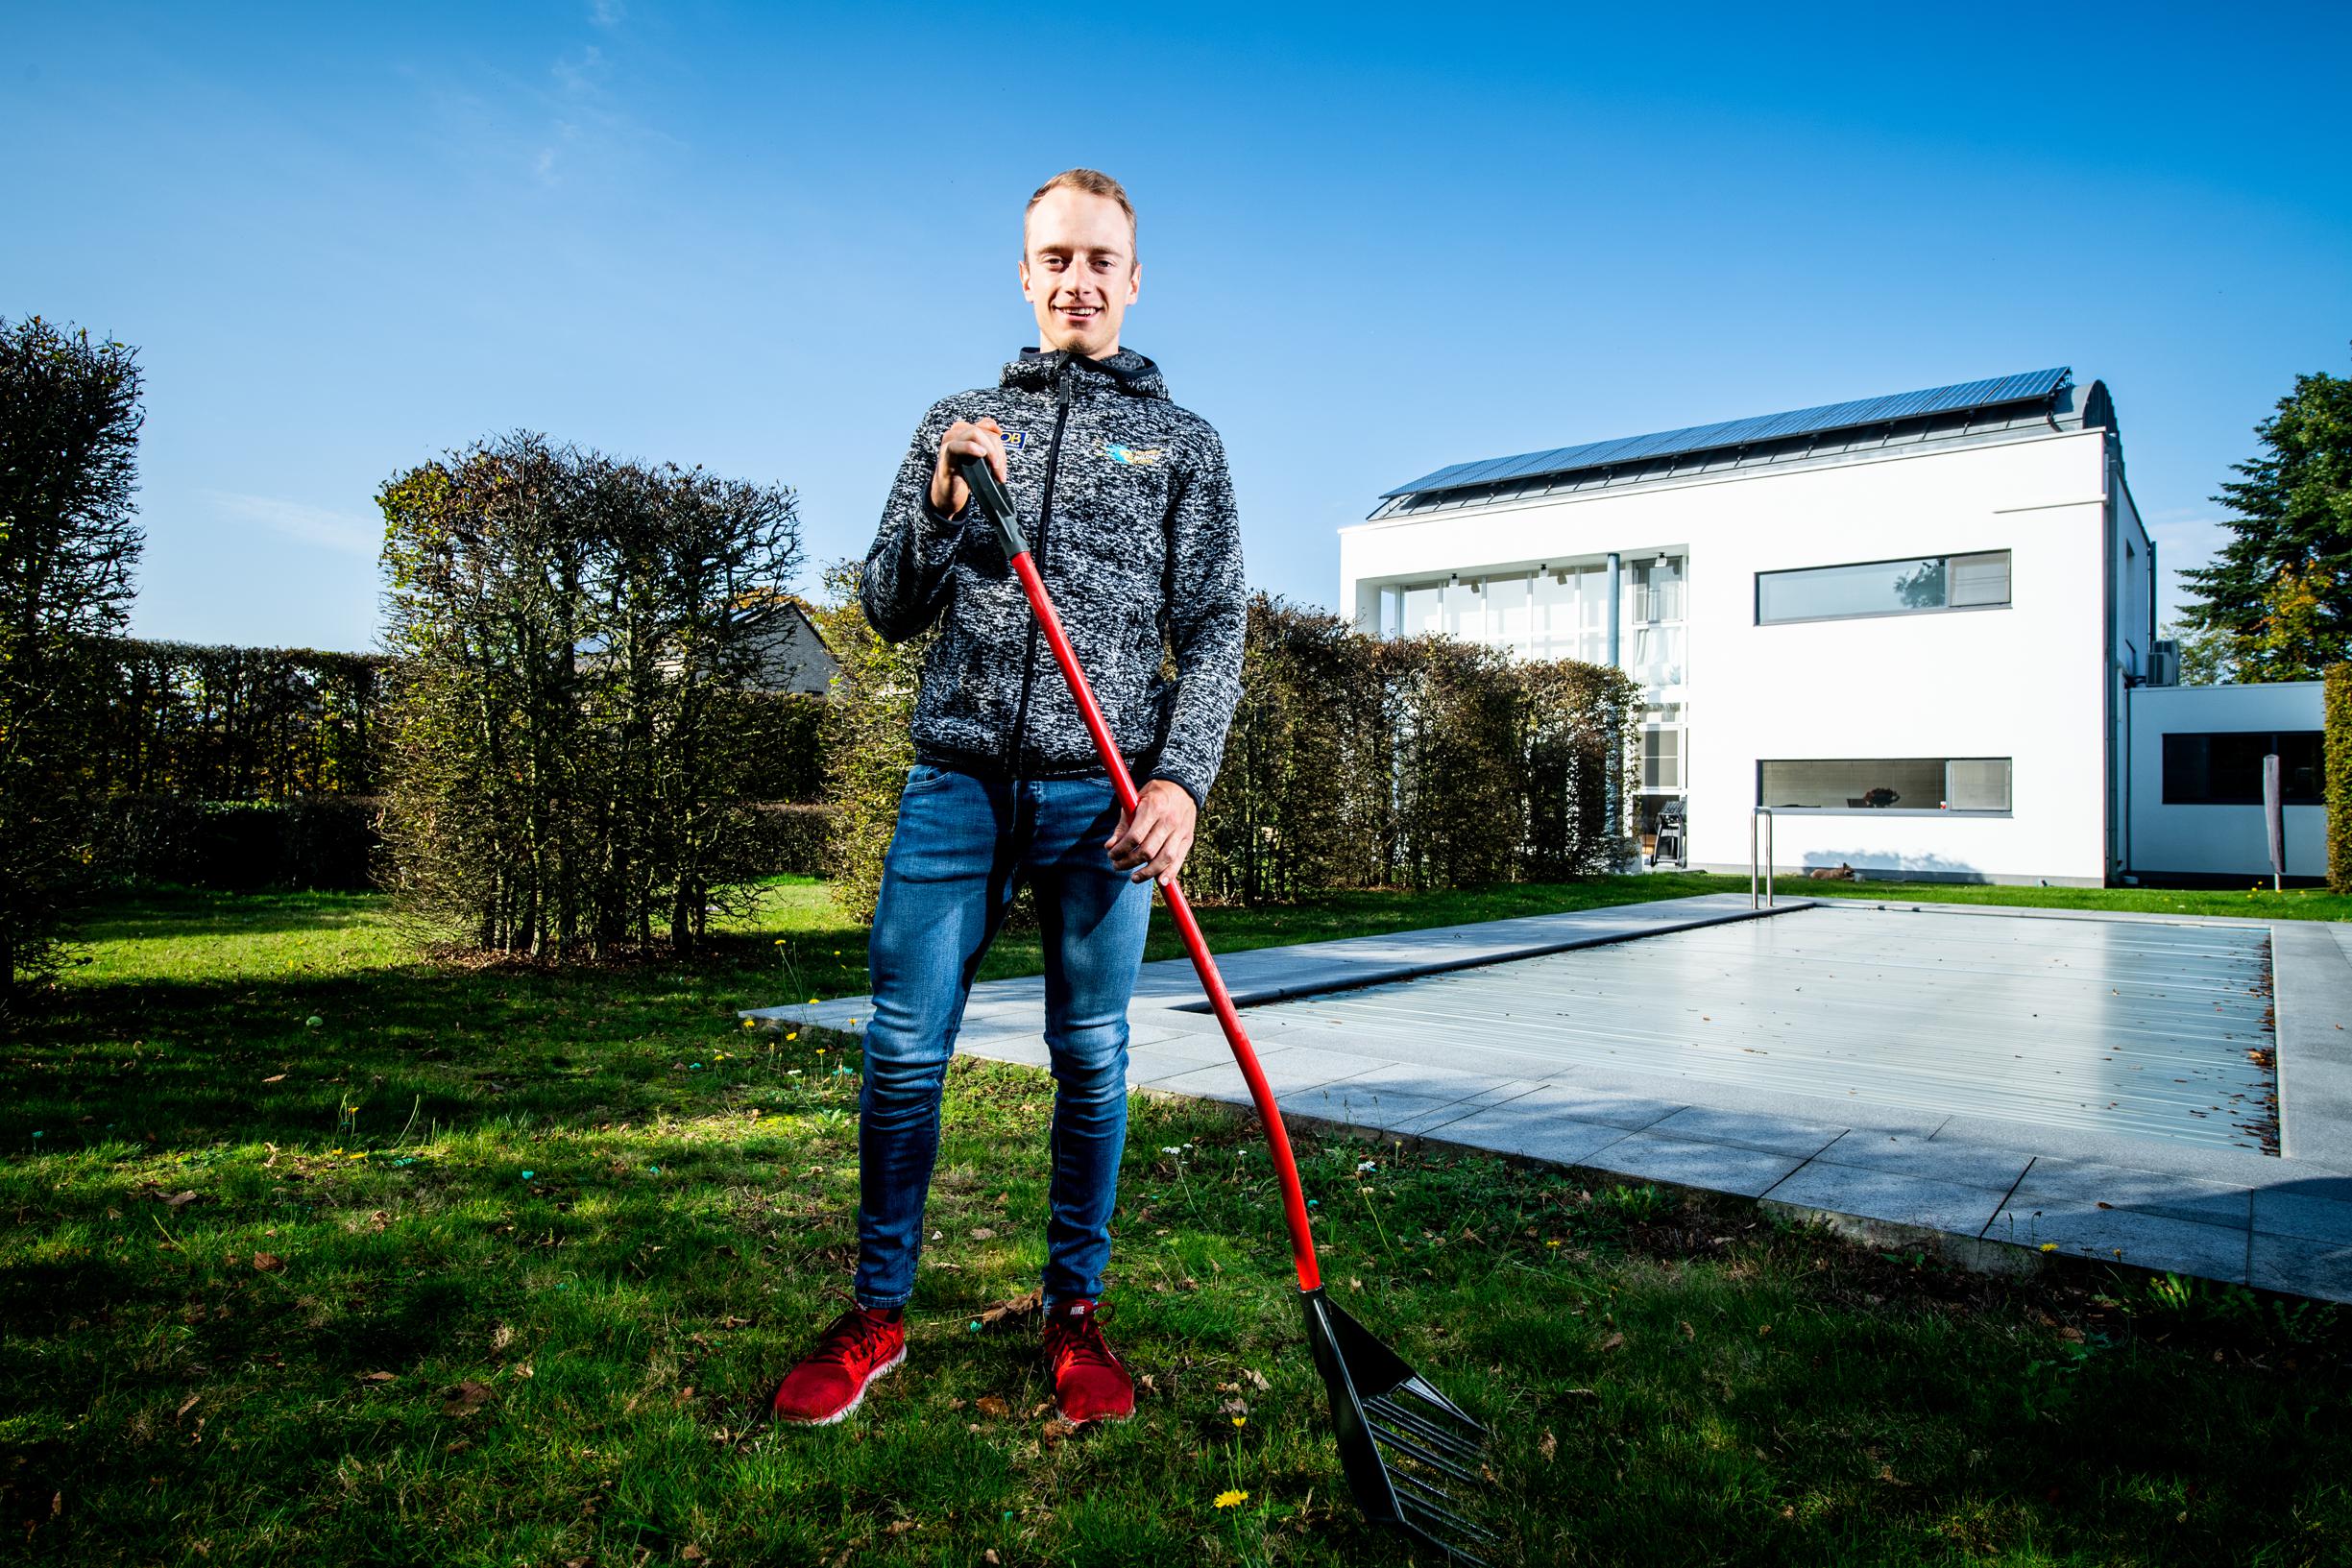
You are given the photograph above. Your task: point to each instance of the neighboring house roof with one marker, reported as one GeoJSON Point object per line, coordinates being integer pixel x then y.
{"type": "Point", "coordinates": [1968, 408]}
{"type": "Point", "coordinates": [796, 657]}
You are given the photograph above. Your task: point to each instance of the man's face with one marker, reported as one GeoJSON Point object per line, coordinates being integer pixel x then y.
{"type": "Point", "coordinates": [1079, 272]}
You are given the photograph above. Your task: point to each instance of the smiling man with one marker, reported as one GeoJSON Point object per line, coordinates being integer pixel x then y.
{"type": "Point", "coordinates": [1131, 524]}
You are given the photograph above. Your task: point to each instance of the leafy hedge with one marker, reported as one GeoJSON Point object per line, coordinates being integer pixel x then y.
{"type": "Point", "coordinates": [2337, 743]}
{"type": "Point", "coordinates": [320, 843]}
{"type": "Point", "coordinates": [1358, 762]}
{"type": "Point", "coordinates": [215, 723]}
{"type": "Point", "coordinates": [1354, 760]}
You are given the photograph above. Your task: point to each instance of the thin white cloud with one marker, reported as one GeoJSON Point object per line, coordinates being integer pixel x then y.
{"type": "Point", "coordinates": [340, 531]}
{"type": "Point", "coordinates": [606, 13]}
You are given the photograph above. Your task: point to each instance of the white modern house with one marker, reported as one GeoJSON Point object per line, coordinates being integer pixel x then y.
{"type": "Point", "coordinates": [2196, 765]}
{"type": "Point", "coordinates": [1906, 625]}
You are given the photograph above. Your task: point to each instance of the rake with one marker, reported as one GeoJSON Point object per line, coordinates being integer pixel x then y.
{"type": "Point", "coordinates": [1401, 1442]}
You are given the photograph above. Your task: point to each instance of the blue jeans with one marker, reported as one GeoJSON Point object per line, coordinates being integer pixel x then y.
{"type": "Point", "coordinates": [963, 846]}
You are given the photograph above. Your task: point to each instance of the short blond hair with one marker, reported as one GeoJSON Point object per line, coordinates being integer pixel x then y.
{"type": "Point", "coordinates": [1093, 183]}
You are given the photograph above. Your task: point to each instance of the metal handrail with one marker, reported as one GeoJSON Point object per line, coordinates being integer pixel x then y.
{"type": "Point", "coordinates": [1763, 813]}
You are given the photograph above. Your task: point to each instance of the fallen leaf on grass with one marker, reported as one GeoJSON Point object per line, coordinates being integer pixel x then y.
{"type": "Point", "coordinates": [177, 1200]}
{"type": "Point", "coordinates": [187, 1405]}
{"type": "Point", "coordinates": [992, 1407]}
{"type": "Point", "coordinates": [1019, 1306]}
{"type": "Point", "coordinates": [1615, 1341]}
{"type": "Point", "coordinates": [268, 1261]}
{"type": "Point", "coordinates": [900, 1526]}
{"type": "Point", "coordinates": [1257, 1378]}
{"type": "Point", "coordinates": [1050, 1434]}
{"type": "Point", "coordinates": [990, 1557]}
{"type": "Point", "coordinates": [376, 1377]}
{"type": "Point", "coordinates": [465, 1398]}
{"type": "Point", "coordinates": [1583, 1393]}
{"type": "Point", "coordinates": [275, 1078]}
{"type": "Point", "coordinates": [1549, 1446]}
{"type": "Point", "coordinates": [984, 1233]}
{"type": "Point", "coordinates": [690, 1553]}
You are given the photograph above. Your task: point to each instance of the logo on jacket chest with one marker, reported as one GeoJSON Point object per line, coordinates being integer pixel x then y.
{"type": "Point", "coordinates": [1139, 456]}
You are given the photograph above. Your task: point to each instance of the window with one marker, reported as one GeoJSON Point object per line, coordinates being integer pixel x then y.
{"type": "Point", "coordinates": [1896, 784]}
{"type": "Point", "coordinates": [2226, 769]}
{"type": "Point", "coordinates": [1662, 743]}
{"type": "Point", "coordinates": [1884, 588]}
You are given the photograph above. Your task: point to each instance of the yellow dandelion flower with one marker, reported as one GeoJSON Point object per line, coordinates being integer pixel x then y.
{"type": "Point", "coordinates": [2050, 1246]}
{"type": "Point", "coordinates": [1240, 1421]}
{"type": "Point", "coordinates": [750, 1023]}
{"type": "Point", "coordinates": [1232, 1498]}
{"type": "Point", "coordinates": [779, 941]}
{"type": "Point", "coordinates": [794, 1035]}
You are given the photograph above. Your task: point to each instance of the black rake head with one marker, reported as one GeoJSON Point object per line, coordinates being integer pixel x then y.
{"type": "Point", "coordinates": [1401, 1443]}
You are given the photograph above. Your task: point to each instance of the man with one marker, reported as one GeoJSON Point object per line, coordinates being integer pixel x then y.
{"type": "Point", "coordinates": [1130, 519]}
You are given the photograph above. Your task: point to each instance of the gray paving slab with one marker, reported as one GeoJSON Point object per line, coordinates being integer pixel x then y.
{"type": "Point", "coordinates": [1864, 1193]}
{"type": "Point", "coordinates": [2311, 1211]}
{"type": "Point", "coordinates": [2143, 1241]}
{"type": "Point", "coordinates": [1933, 1159]}
{"type": "Point", "coordinates": [1433, 1122]}
{"type": "Point", "coordinates": [1351, 1100]}
{"type": "Point", "coordinates": [1148, 1067]}
{"type": "Point", "coordinates": [1720, 1168]}
{"type": "Point", "coordinates": [2304, 1268]}
{"type": "Point", "coordinates": [1419, 1078]}
{"type": "Point", "coordinates": [1287, 1072]}
{"type": "Point", "coordinates": [1606, 1104]}
{"type": "Point", "coordinates": [2315, 1043]}
{"type": "Point", "coordinates": [1503, 1129]}
{"type": "Point", "coordinates": [2071, 1184]}
{"type": "Point", "coordinates": [1773, 1134]}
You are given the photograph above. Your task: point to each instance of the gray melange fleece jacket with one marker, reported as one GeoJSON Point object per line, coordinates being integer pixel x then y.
{"type": "Point", "coordinates": [1131, 518]}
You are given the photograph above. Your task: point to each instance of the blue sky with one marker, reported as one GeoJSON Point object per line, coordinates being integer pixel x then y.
{"type": "Point", "coordinates": [1374, 242]}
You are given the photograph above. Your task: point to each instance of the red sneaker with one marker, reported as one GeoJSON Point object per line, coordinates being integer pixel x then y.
{"type": "Point", "coordinates": [831, 1381]}
{"type": "Point", "coordinates": [1089, 1385]}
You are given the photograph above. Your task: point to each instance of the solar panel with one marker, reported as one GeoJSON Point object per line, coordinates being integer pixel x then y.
{"type": "Point", "coordinates": [2031, 386]}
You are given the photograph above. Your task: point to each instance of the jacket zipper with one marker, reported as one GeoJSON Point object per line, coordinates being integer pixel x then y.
{"type": "Point", "coordinates": [1064, 385]}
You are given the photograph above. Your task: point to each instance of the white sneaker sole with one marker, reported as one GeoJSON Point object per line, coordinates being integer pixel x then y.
{"type": "Point", "coordinates": [856, 1400]}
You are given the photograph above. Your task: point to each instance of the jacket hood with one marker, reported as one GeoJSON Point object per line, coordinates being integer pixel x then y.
{"type": "Point", "coordinates": [1126, 371]}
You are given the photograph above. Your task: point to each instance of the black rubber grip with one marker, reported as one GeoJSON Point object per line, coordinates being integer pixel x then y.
{"type": "Point", "coordinates": [994, 504]}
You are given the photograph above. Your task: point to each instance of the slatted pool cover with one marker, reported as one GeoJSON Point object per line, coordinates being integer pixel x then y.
{"type": "Point", "coordinates": [2131, 1028]}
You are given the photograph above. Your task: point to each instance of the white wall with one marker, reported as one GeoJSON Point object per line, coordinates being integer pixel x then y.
{"type": "Point", "coordinates": [2217, 841]}
{"type": "Point", "coordinates": [2024, 682]}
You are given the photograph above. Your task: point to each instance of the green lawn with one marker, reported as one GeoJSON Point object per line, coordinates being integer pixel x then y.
{"type": "Point", "coordinates": [485, 1265]}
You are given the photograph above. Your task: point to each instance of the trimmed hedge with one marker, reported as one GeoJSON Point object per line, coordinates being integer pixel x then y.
{"type": "Point", "coordinates": [795, 837]}
{"type": "Point", "coordinates": [1353, 761]}
{"type": "Point", "coordinates": [2337, 748]}
{"type": "Point", "coordinates": [328, 842]}
{"type": "Point", "coordinates": [219, 723]}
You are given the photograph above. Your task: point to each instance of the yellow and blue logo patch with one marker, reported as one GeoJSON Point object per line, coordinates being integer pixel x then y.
{"type": "Point", "coordinates": [1132, 454]}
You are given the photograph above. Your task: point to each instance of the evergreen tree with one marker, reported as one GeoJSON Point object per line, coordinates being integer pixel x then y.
{"type": "Point", "coordinates": [2280, 592]}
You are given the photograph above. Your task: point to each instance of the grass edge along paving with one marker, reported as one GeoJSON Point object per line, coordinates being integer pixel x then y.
{"type": "Point", "coordinates": [486, 1265]}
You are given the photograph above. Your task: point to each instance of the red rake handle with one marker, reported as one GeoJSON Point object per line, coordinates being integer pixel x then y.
{"type": "Point", "coordinates": [997, 506]}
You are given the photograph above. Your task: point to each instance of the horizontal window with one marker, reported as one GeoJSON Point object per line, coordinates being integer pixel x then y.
{"type": "Point", "coordinates": [1884, 588]}
{"type": "Point", "coordinates": [2225, 769]}
{"type": "Point", "coordinates": [1886, 784]}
